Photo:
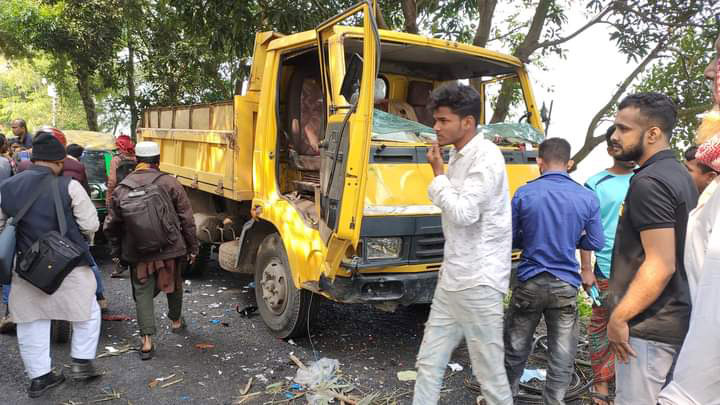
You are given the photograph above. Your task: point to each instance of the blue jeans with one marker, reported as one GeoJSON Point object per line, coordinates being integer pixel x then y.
{"type": "Point", "coordinates": [5, 293]}
{"type": "Point", "coordinates": [96, 271]}
{"type": "Point", "coordinates": [556, 300]}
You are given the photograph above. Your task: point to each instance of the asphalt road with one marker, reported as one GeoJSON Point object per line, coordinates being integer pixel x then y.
{"type": "Point", "coordinates": [371, 346]}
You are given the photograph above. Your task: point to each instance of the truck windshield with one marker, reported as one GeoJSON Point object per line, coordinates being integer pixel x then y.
{"type": "Point", "coordinates": [392, 128]}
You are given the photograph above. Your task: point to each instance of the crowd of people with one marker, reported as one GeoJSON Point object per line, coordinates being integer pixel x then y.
{"type": "Point", "coordinates": [642, 229]}
{"type": "Point", "coordinates": [43, 190]}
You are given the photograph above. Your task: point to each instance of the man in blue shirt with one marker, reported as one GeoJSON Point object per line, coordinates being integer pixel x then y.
{"type": "Point", "coordinates": [552, 216]}
{"type": "Point", "coordinates": [610, 186]}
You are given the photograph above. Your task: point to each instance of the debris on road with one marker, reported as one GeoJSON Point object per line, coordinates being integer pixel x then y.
{"type": "Point", "coordinates": [214, 321]}
{"type": "Point", "coordinates": [203, 346]}
{"type": "Point", "coordinates": [171, 383]}
{"type": "Point", "coordinates": [247, 311]}
{"type": "Point", "coordinates": [247, 387]}
{"type": "Point", "coordinates": [533, 374]}
{"type": "Point", "coordinates": [407, 375]}
{"type": "Point", "coordinates": [116, 351]}
{"type": "Point", "coordinates": [455, 367]}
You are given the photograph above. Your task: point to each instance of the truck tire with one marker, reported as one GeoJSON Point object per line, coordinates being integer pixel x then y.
{"type": "Point", "coordinates": [202, 261]}
{"type": "Point", "coordinates": [284, 308]}
{"type": "Point", "coordinates": [60, 331]}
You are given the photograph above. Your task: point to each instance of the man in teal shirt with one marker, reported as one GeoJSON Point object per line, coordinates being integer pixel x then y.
{"type": "Point", "coordinates": [610, 186]}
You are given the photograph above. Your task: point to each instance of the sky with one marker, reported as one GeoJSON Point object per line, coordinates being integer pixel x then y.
{"type": "Point", "coordinates": [581, 85]}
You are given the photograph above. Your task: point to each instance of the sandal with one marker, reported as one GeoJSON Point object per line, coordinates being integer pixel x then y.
{"type": "Point", "coordinates": [182, 327]}
{"type": "Point", "coordinates": [149, 354]}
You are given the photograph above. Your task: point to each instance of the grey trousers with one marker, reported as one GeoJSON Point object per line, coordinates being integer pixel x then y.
{"type": "Point", "coordinates": [475, 314]}
{"type": "Point", "coordinates": [639, 381]}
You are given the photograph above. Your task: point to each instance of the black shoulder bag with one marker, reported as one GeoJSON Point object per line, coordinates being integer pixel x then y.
{"type": "Point", "coordinates": [50, 259]}
{"type": "Point", "coordinates": [7, 236]}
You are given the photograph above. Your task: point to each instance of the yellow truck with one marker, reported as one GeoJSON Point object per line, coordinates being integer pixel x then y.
{"type": "Point", "coordinates": [315, 179]}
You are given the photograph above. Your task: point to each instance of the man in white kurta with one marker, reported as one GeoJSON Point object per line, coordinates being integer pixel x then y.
{"type": "Point", "coordinates": [475, 273]}
{"type": "Point", "coordinates": [74, 301]}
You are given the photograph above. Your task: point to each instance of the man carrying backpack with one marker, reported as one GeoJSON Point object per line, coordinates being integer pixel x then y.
{"type": "Point", "coordinates": [150, 225]}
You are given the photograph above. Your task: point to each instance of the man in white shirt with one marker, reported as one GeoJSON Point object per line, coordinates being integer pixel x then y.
{"type": "Point", "coordinates": [477, 225]}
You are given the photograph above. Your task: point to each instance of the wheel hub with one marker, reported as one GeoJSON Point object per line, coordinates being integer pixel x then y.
{"type": "Point", "coordinates": [274, 287]}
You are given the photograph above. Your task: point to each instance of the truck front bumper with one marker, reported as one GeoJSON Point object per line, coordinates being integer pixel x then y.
{"type": "Point", "coordinates": [401, 288]}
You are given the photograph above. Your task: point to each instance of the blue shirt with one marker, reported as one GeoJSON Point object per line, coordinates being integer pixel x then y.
{"type": "Point", "coordinates": [553, 216]}
{"type": "Point", "coordinates": [610, 190]}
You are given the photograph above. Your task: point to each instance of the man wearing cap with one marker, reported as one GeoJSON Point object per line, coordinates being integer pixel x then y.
{"type": "Point", "coordinates": [160, 271]}
{"type": "Point", "coordinates": [74, 301]}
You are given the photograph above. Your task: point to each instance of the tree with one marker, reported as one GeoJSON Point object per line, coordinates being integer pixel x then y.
{"type": "Point", "coordinates": [649, 30]}
{"type": "Point", "coordinates": [24, 94]}
{"type": "Point", "coordinates": [80, 36]}
{"type": "Point", "coordinates": [679, 74]}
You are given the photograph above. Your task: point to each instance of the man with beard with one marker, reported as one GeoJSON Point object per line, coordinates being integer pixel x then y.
{"type": "Point", "coordinates": [610, 186]}
{"type": "Point", "coordinates": [468, 302]}
{"type": "Point", "coordinates": [649, 293]}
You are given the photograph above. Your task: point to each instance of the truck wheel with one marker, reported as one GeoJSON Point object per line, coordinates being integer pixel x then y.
{"type": "Point", "coordinates": [284, 308]}
{"type": "Point", "coordinates": [60, 331]}
{"type": "Point", "coordinates": [202, 260]}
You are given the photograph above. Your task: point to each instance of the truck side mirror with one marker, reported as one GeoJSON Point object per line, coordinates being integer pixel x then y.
{"type": "Point", "coordinates": [351, 80]}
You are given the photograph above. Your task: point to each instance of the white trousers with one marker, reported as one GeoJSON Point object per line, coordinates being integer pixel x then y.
{"type": "Point", "coordinates": [34, 341]}
{"type": "Point", "coordinates": [476, 315]}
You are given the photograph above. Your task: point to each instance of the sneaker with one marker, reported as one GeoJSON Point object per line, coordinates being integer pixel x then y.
{"type": "Point", "coordinates": [83, 370]}
{"type": "Point", "coordinates": [39, 385]}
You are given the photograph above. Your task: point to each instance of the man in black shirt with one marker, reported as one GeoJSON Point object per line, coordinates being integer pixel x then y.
{"type": "Point", "coordinates": [649, 293]}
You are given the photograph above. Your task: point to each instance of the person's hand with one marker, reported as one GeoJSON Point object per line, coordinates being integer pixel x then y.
{"type": "Point", "coordinates": [434, 157]}
{"type": "Point", "coordinates": [191, 258]}
{"type": "Point", "coordinates": [116, 260]}
{"type": "Point", "coordinates": [618, 333]}
{"type": "Point", "coordinates": [588, 279]}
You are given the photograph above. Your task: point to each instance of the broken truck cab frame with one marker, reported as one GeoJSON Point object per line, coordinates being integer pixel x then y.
{"type": "Point", "coordinates": [348, 216]}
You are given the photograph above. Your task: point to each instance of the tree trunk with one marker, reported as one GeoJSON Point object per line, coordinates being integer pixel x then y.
{"type": "Point", "coordinates": [487, 10]}
{"type": "Point", "coordinates": [380, 19]}
{"type": "Point", "coordinates": [522, 52]}
{"type": "Point", "coordinates": [131, 89]}
{"type": "Point", "coordinates": [409, 8]}
{"type": "Point", "coordinates": [482, 34]}
{"type": "Point", "coordinates": [83, 85]}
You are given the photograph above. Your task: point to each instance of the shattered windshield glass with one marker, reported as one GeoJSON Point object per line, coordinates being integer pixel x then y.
{"type": "Point", "coordinates": [511, 132]}
{"type": "Point", "coordinates": [389, 127]}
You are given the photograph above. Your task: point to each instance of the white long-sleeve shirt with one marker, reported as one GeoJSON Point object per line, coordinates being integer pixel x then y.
{"type": "Point", "coordinates": [476, 218]}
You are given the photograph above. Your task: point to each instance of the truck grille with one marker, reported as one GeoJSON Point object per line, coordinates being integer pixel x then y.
{"type": "Point", "coordinates": [427, 248]}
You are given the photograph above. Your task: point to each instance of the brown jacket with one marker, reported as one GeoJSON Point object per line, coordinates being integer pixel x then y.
{"type": "Point", "coordinates": [121, 244]}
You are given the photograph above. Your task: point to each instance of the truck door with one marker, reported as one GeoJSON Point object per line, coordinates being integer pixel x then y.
{"type": "Point", "coordinates": [348, 80]}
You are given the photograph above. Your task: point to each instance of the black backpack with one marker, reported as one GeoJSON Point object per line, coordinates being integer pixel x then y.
{"type": "Point", "coordinates": [149, 216]}
{"type": "Point", "coordinates": [125, 167]}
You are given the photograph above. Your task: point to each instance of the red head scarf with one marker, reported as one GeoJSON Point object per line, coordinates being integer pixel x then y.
{"type": "Point", "coordinates": [125, 144]}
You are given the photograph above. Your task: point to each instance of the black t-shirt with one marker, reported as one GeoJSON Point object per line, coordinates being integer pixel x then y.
{"type": "Point", "coordinates": [661, 195]}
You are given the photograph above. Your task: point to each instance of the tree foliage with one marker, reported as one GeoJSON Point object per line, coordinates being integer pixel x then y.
{"type": "Point", "coordinates": [679, 74]}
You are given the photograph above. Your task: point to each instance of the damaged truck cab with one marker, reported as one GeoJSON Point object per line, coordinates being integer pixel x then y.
{"type": "Point", "coordinates": [315, 180]}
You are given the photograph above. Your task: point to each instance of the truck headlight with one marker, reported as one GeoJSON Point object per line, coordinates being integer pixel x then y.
{"type": "Point", "coordinates": [383, 248]}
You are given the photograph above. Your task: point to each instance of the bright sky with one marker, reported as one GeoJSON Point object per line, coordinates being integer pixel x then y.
{"type": "Point", "coordinates": [581, 85]}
